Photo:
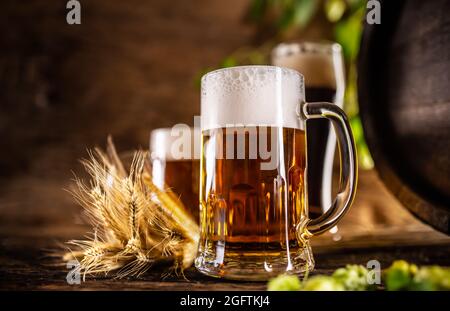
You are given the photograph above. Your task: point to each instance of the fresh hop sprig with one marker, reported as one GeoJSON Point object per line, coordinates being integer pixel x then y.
{"type": "Point", "coordinates": [315, 283]}
{"type": "Point", "coordinates": [352, 277]}
{"type": "Point", "coordinates": [284, 283]}
{"type": "Point", "coordinates": [322, 283]}
{"type": "Point", "coordinates": [404, 276]}
{"type": "Point", "coordinates": [401, 275]}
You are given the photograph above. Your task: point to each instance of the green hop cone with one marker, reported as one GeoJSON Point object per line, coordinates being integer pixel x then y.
{"type": "Point", "coordinates": [431, 278]}
{"type": "Point", "coordinates": [322, 283]}
{"type": "Point", "coordinates": [399, 275]}
{"type": "Point", "coordinates": [284, 283]}
{"type": "Point", "coordinates": [353, 277]}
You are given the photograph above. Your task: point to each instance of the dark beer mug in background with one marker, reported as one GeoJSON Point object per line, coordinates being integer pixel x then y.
{"type": "Point", "coordinates": [322, 66]}
{"type": "Point", "coordinates": [175, 160]}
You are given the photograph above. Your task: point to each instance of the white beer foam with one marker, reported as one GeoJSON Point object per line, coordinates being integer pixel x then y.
{"type": "Point", "coordinates": [251, 95]}
{"type": "Point", "coordinates": [165, 143]}
{"type": "Point", "coordinates": [321, 64]}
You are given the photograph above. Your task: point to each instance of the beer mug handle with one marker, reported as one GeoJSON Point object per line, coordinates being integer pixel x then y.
{"type": "Point", "coordinates": [348, 164]}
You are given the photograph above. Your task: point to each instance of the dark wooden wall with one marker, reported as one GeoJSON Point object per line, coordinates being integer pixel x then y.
{"type": "Point", "coordinates": [129, 67]}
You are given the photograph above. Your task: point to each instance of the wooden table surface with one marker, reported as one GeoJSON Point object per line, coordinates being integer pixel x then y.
{"type": "Point", "coordinates": [376, 228]}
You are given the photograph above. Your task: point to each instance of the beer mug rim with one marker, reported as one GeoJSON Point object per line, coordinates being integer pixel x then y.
{"type": "Point", "coordinates": [266, 68]}
{"type": "Point", "coordinates": [328, 48]}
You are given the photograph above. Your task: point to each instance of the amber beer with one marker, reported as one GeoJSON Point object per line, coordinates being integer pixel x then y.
{"type": "Point", "coordinates": [322, 65]}
{"type": "Point", "coordinates": [177, 172]}
{"type": "Point", "coordinates": [253, 180]}
{"type": "Point", "coordinates": [250, 199]}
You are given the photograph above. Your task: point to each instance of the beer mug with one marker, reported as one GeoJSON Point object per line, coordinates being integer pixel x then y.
{"type": "Point", "coordinates": [253, 179]}
{"type": "Point", "coordinates": [323, 67]}
{"type": "Point", "coordinates": [175, 161]}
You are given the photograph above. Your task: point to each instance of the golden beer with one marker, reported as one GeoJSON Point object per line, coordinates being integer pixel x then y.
{"type": "Point", "coordinates": [254, 203]}
{"type": "Point", "coordinates": [175, 172]}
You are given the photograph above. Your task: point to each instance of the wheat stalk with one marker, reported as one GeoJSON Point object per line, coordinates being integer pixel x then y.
{"type": "Point", "coordinates": [135, 224]}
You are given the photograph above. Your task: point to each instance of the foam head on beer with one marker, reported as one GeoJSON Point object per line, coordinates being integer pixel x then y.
{"type": "Point", "coordinates": [251, 96]}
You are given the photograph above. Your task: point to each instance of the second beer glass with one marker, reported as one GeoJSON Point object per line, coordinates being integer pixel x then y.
{"type": "Point", "coordinates": [175, 163]}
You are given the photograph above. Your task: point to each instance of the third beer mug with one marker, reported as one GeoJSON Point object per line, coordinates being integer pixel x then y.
{"type": "Point", "coordinates": [253, 181]}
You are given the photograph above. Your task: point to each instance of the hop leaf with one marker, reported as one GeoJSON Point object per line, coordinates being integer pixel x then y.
{"type": "Point", "coordinates": [284, 283]}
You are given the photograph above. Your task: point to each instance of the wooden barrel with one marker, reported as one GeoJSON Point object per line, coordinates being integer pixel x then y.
{"type": "Point", "coordinates": [404, 94]}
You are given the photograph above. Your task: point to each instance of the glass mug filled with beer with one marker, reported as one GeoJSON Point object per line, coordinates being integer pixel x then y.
{"type": "Point", "coordinates": [323, 67]}
{"type": "Point", "coordinates": [175, 154]}
{"type": "Point", "coordinates": [253, 179]}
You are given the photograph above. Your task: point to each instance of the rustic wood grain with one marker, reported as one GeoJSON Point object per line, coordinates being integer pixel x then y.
{"type": "Point", "coordinates": [25, 264]}
{"type": "Point", "coordinates": [27, 260]}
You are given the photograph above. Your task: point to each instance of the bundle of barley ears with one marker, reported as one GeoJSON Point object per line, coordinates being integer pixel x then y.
{"type": "Point", "coordinates": [135, 224]}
